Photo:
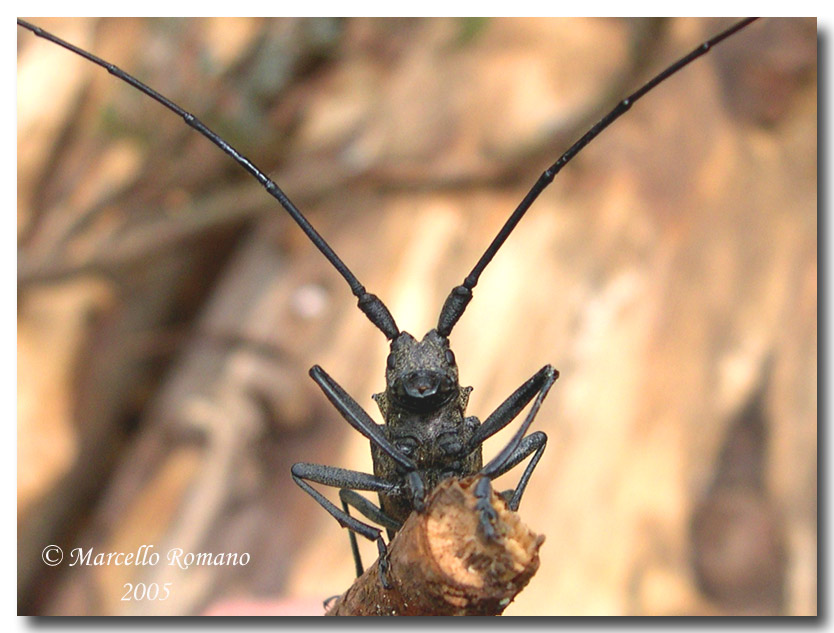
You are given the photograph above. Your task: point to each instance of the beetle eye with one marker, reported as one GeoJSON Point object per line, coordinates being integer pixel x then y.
{"type": "Point", "coordinates": [391, 361]}
{"type": "Point", "coordinates": [450, 357]}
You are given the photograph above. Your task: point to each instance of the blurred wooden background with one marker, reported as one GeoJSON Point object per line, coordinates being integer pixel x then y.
{"type": "Point", "coordinates": [169, 311]}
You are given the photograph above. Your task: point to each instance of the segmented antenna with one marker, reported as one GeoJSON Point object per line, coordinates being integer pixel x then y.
{"type": "Point", "coordinates": [460, 296]}
{"type": "Point", "coordinates": [370, 304]}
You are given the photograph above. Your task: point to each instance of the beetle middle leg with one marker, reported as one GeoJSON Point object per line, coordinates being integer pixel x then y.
{"type": "Point", "coordinates": [342, 478]}
{"type": "Point", "coordinates": [534, 443]}
{"type": "Point", "coordinates": [519, 447]}
{"type": "Point", "coordinates": [370, 511]}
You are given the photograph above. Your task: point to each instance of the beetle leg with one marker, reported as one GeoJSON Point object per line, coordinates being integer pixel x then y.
{"type": "Point", "coordinates": [358, 418]}
{"type": "Point", "coordinates": [342, 478]}
{"type": "Point", "coordinates": [534, 443]}
{"type": "Point", "coordinates": [418, 490]}
{"type": "Point", "coordinates": [512, 406]}
{"type": "Point", "coordinates": [539, 384]}
{"type": "Point", "coordinates": [488, 516]}
{"type": "Point", "coordinates": [368, 510]}
{"type": "Point", "coordinates": [383, 563]}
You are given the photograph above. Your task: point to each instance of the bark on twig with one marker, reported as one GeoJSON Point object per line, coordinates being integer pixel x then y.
{"type": "Point", "coordinates": [440, 564]}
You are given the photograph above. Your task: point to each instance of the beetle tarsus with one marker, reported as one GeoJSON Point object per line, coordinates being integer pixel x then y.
{"type": "Point", "coordinates": [488, 515]}
{"type": "Point", "coordinates": [418, 491]}
{"type": "Point", "coordinates": [384, 566]}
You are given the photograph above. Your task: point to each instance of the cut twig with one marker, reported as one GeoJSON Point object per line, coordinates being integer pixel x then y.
{"type": "Point", "coordinates": [441, 564]}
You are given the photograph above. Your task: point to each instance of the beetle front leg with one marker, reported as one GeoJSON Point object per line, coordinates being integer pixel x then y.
{"type": "Point", "coordinates": [358, 418]}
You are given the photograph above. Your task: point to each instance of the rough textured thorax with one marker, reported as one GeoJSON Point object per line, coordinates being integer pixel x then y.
{"type": "Point", "coordinates": [424, 406]}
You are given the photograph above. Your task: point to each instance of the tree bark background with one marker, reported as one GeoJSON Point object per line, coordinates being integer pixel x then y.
{"type": "Point", "coordinates": [169, 311]}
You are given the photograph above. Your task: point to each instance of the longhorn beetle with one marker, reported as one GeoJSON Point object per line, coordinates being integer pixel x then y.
{"type": "Point", "coordinates": [426, 436]}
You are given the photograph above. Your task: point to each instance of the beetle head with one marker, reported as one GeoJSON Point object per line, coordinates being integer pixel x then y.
{"type": "Point", "coordinates": [421, 375]}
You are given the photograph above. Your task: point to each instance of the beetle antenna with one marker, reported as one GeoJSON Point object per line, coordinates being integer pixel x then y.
{"type": "Point", "coordinates": [460, 296]}
{"type": "Point", "coordinates": [370, 304]}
